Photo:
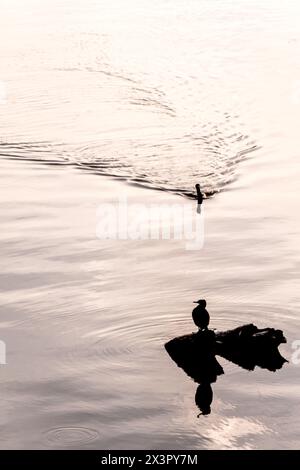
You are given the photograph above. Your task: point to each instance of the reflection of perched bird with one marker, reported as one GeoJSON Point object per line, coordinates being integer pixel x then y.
{"type": "Point", "coordinates": [204, 398]}
{"type": "Point", "coordinates": [201, 315]}
{"type": "Point", "coordinates": [199, 194]}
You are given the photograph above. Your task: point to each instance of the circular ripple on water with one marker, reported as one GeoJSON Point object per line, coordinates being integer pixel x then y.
{"type": "Point", "coordinates": [71, 436]}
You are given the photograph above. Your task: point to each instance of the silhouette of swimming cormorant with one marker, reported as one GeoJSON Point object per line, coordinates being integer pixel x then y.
{"type": "Point", "coordinates": [203, 398]}
{"type": "Point", "coordinates": [247, 346]}
{"type": "Point", "coordinates": [200, 315]}
{"type": "Point", "coordinates": [199, 194]}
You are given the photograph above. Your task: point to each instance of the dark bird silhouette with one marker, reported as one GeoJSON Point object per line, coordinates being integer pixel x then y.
{"type": "Point", "coordinates": [201, 315]}
{"type": "Point", "coordinates": [247, 346]}
{"type": "Point", "coordinates": [199, 194]}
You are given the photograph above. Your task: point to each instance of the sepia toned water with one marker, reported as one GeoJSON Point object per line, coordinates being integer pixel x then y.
{"type": "Point", "coordinates": [98, 98]}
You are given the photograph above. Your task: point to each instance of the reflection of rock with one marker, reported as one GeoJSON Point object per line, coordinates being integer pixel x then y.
{"type": "Point", "coordinates": [246, 346]}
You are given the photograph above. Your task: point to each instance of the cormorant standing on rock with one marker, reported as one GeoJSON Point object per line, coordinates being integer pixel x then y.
{"type": "Point", "coordinates": [201, 315]}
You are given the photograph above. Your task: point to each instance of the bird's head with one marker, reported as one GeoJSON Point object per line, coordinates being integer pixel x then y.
{"type": "Point", "coordinates": [201, 302]}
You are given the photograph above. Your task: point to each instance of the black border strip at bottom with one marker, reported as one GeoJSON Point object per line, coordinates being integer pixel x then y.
{"type": "Point", "coordinates": [134, 459]}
